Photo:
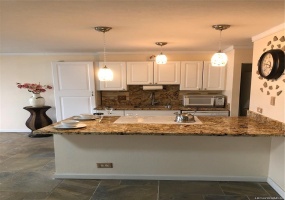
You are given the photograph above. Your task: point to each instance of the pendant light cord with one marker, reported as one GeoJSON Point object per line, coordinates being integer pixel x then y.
{"type": "Point", "coordinates": [104, 39]}
{"type": "Point", "coordinates": [220, 41]}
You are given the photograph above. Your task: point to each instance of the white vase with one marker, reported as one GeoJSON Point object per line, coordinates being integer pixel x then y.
{"type": "Point", "coordinates": [37, 100]}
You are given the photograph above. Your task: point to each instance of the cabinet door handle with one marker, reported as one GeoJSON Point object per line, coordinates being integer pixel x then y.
{"type": "Point", "coordinates": [92, 94]}
{"type": "Point", "coordinates": [149, 83]}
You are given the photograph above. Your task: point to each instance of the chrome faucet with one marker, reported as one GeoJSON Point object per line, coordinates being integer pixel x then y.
{"type": "Point", "coordinates": [152, 97]}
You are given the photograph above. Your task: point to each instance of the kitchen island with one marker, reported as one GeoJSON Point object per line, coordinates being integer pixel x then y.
{"type": "Point", "coordinates": [167, 151]}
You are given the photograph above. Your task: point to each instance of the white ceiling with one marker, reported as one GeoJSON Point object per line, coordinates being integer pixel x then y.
{"type": "Point", "coordinates": [61, 26]}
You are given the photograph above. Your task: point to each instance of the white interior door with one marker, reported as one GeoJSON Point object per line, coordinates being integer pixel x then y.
{"type": "Point", "coordinates": [74, 88]}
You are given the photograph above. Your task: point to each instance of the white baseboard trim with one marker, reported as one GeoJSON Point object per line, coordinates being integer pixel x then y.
{"type": "Point", "coordinates": [160, 177]}
{"type": "Point", "coordinates": [276, 187]}
{"type": "Point", "coordinates": [15, 130]}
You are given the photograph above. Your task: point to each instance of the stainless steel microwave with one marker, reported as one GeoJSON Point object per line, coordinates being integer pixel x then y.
{"type": "Point", "coordinates": [204, 100]}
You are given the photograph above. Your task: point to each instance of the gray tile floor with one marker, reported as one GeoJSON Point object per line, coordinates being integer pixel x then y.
{"type": "Point", "coordinates": [27, 167]}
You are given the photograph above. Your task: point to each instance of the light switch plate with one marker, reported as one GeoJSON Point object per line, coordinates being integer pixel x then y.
{"type": "Point", "coordinates": [272, 101]}
{"type": "Point", "coordinates": [259, 110]}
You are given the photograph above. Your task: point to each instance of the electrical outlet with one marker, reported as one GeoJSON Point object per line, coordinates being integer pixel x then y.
{"type": "Point", "coordinates": [272, 101]}
{"type": "Point", "coordinates": [104, 165]}
{"type": "Point", "coordinates": [259, 110]}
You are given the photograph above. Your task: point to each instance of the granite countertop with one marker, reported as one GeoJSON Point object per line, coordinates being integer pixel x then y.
{"type": "Point", "coordinates": [212, 126]}
{"type": "Point", "coordinates": [127, 107]}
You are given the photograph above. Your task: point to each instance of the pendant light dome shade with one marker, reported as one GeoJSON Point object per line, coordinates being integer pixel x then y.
{"type": "Point", "coordinates": [161, 58]}
{"type": "Point", "coordinates": [104, 74]}
{"type": "Point", "coordinates": [220, 59]}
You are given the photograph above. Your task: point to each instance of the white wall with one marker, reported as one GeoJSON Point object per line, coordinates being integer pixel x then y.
{"type": "Point", "coordinates": [229, 78]}
{"type": "Point", "coordinates": [34, 68]}
{"type": "Point", "coordinates": [236, 57]}
{"type": "Point", "coordinates": [261, 99]}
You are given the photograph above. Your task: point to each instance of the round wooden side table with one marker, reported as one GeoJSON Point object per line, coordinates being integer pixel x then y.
{"type": "Point", "coordinates": [38, 119]}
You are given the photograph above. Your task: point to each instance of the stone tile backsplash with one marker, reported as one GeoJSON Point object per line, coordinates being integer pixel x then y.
{"type": "Point", "coordinates": [136, 96]}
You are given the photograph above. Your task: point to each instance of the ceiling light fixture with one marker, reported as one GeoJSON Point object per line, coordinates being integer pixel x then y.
{"type": "Point", "coordinates": [104, 74]}
{"type": "Point", "coordinates": [161, 58]}
{"type": "Point", "coordinates": [220, 59]}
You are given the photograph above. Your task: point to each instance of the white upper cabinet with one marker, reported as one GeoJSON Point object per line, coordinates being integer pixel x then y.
{"type": "Point", "coordinates": [168, 73]}
{"type": "Point", "coordinates": [139, 73]}
{"type": "Point", "coordinates": [191, 75]}
{"type": "Point", "coordinates": [148, 73]}
{"type": "Point", "coordinates": [199, 75]}
{"type": "Point", "coordinates": [213, 77]}
{"type": "Point", "coordinates": [119, 80]}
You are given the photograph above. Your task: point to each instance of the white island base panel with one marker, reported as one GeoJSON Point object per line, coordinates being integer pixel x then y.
{"type": "Point", "coordinates": [162, 157]}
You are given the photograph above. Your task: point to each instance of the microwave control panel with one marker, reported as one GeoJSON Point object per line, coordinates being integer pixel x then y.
{"type": "Point", "coordinates": [219, 101]}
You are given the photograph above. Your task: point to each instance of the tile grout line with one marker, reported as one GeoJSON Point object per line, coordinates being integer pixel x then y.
{"type": "Point", "coordinates": [50, 193]}
{"type": "Point", "coordinates": [95, 190]}
{"type": "Point", "coordinates": [264, 189]}
{"type": "Point", "coordinates": [158, 183]}
{"type": "Point", "coordinates": [221, 188]}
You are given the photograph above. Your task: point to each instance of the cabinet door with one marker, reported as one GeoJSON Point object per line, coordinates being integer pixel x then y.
{"type": "Point", "coordinates": [168, 73]}
{"type": "Point", "coordinates": [213, 77]}
{"type": "Point", "coordinates": [191, 75]}
{"type": "Point", "coordinates": [119, 81]}
{"type": "Point", "coordinates": [139, 73]}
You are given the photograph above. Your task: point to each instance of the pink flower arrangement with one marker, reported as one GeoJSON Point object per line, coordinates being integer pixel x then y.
{"type": "Point", "coordinates": [34, 88]}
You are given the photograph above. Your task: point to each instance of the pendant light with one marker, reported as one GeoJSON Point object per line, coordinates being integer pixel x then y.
{"type": "Point", "coordinates": [161, 58]}
{"type": "Point", "coordinates": [104, 74]}
{"type": "Point", "coordinates": [220, 59]}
